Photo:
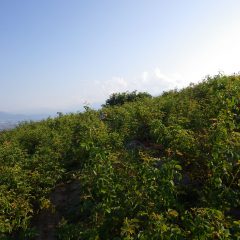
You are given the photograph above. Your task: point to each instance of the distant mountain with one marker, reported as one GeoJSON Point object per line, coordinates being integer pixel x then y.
{"type": "Point", "coordinates": [7, 125]}
{"type": "Point", "coordinates": [4, 116]}
{"type": "Point", "coordinates": [10, 120]}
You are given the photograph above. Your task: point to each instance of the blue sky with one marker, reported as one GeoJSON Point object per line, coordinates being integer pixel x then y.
{"type": "Point", "coordinates": [57, 55]}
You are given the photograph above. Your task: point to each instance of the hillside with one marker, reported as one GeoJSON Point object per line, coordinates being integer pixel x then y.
{"type": "Point", "coordinates": [166, 167]}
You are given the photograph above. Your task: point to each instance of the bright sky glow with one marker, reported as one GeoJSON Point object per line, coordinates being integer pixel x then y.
{"type": "Point", "coordinates": [57, 55]}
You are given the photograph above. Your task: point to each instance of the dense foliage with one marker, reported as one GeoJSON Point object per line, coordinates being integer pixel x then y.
{"type": "Point", "coordinates": [124, 97]}
{"type": "Point", "coordinates": [156, 168]}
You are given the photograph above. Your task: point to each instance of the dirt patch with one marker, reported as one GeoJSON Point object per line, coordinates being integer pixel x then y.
{"type": "Point", "coordinates": [64, 197]}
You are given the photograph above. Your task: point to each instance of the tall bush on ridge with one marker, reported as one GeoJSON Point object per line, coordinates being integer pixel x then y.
{"type": "Point", "coordinates": [117, 99]}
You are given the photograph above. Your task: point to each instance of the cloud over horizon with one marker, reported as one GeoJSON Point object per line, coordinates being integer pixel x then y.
{"type": "Point", "coordinates": [152, 81]}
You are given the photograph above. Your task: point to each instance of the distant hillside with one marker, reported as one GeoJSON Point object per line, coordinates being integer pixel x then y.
{"type": "Point", "coordinates": [149, 168]}
{"type": "Point", "coordinates": [4, 116]}
{"type": "Point", "coordinates": [10, 120]}
{"type": "Point", "coordinates": [7, 125]}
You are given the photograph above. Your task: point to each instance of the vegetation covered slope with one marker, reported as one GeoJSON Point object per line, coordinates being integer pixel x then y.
{"type": "Point", "coordinates": [155, 168]}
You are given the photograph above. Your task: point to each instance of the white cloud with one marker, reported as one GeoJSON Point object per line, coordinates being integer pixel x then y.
{"type": "Point", "coordinates": [159, 74]}
{"type": "Point", "coordinates": [145, 77]}
{"type": "Point", "coordinates": [152, 81]}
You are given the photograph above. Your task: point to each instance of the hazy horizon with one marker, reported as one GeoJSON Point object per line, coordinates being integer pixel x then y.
{"type": "Point", "coordinates": [61, 55]}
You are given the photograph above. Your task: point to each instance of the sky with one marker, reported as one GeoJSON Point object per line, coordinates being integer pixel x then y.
{"type": "Point", "coordinates": [59, 55]}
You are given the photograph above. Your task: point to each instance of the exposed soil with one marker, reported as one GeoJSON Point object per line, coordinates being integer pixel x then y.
{"type": "Point", "coordinates": [64, 198]}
